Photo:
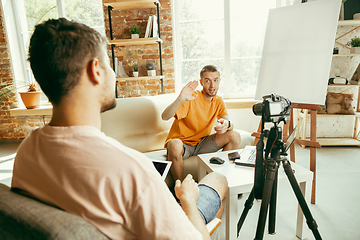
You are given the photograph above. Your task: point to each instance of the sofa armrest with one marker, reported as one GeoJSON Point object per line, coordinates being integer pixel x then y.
{"type": "Point", "coordinates": [25, 218]}
{"type": "Point", "coordinates": [246, 138]}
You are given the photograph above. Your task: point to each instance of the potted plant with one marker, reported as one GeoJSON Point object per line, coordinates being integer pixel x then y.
{"type": "Point", "coordinates": [150, 67]}
{"type": "Point", "coordinates": [6, 92]}
{"type": "Point", "coordinates": [31, 98]}
{"type": "Point", "coordinates": [135, 31]}
{"type": "Point", "coordinates": [135, 66]}
{"type": "Point", "coordinates": [355, 45]}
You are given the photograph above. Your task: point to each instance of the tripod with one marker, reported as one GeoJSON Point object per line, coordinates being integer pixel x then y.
{"type": "Point", "coordinates": [267, 189]}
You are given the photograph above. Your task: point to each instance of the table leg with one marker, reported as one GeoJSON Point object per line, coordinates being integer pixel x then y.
{"type": "Point", "coordinates": [201, 172]}
{"type": "Point", "coordinates": [231, 216]}
{"type": "Point", "coordinates": [302, 230]}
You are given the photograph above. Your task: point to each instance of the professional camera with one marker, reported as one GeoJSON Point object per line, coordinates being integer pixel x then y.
{"type": "Point", "coordinates": [273, 108]}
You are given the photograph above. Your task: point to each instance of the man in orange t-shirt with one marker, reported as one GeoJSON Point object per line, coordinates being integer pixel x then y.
{"type": "Point", "coordinates": [196, 112]}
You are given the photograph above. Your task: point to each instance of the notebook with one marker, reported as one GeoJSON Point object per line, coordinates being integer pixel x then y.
{"type": "Point", "coordinates": [162, 167]}
{"type": "Point", "coordinates": [248, 154]}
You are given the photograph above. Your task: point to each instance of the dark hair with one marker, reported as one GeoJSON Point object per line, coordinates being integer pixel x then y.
{"type": "Point", "coordinates": [59, 52]}
{"type": "Point", "coordinates": [208, 68]}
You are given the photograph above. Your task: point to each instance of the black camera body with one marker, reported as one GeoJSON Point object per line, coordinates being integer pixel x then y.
{"type": "Point", "coordinates": [273, 108]}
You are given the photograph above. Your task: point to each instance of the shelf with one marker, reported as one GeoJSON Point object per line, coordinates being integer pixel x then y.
{"type": "Point", "coordinates": [343, 85]}
{"type": "Point", "coordinates": [140, 78]}
{"type": "Point", "coordinates": [346, 55]}
{"type": "Point", "coordinates": [130, 4]}
{"type": "Point", "coordinates": [338, 141]}
{"type": "Point", "coordinates": [137, 41]}
{"type": "Point", "coordinates": [357, 114]}
{"type": "Point", "coordinates": [42, 110]}
{"type": "Point", "coordinates": [349, 22]}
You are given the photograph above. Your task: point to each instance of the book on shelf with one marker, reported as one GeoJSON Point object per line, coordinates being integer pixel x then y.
{"type": "Point", "coordinates": [155, 27]}
{"type": "Point", "coordinates": [152, 29]}
{"type": "Point", "coordinates": [148, 27]}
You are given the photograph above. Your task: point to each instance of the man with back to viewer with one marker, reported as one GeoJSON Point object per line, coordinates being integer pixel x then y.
{"type": "Point", "coordinates": [195, 114]}
{"type": "Point", "coordinates": [70, 164]}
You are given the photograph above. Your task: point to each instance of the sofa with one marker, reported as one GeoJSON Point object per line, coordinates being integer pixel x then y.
{"type": "Point", "coordinates": [136, 123]}
{"type": "Point", "coordinates": [24, 218]}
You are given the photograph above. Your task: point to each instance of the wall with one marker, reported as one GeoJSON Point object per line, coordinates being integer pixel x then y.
{"type": "Point", "coordinates": [12, 128]}
{"type": "Point", "coordinates": [121, 23]}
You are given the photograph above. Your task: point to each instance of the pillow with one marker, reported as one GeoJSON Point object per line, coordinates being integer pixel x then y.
{"type": "Point", "coordinates": [339, 103]}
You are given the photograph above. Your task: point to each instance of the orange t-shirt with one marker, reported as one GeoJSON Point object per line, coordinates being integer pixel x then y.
{"type": "Point", "coordinates": [195, 119]}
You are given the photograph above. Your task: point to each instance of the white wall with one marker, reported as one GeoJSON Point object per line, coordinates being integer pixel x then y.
{"type": "Point", "coordinates": [244, 119]}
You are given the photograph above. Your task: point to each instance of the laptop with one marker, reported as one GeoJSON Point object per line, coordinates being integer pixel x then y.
{"type": "Point", "coordinates": [289, 141]}
{"type": "Point", "coordinates": [248, 154]}
{"type": "Point", "coordinates": [162, 167]}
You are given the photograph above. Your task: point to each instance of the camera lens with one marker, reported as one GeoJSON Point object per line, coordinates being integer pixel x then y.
{"type": "Point", "coordinates": [257, 108]}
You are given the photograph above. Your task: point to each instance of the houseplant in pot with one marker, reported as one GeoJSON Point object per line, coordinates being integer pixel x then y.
{"type": "Point", "coordinates": [150, 67]}
{"type": "Point", "coordinates": [6, 92]}
{"type": "Point", "coordinates": [31, 98]}
{"type": "Point", "coordinates": [355, 45]}
{"type": "Point", "coordinates": [135, 31]}
{"type": "Point", "coordinates": [135, 67]}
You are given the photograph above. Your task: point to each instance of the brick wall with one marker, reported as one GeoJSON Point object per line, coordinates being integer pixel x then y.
{"type": "Point", "coordinates": [12, 128]}
{"type": "Point", "coordinates": [17, 128]}
{"type": "Point", "coordinates": [121, 23]}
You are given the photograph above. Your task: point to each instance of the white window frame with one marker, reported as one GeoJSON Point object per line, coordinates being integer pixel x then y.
{"type": "Point", "coordinates": [12, 21]}
{"type": "Point", "coordinates": [16, 30]}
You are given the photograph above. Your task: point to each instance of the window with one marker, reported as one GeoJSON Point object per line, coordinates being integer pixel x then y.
{"type": "Point", "coordinates": [21, 17]}
{"type": "Point", "coordinates": [225, 33]}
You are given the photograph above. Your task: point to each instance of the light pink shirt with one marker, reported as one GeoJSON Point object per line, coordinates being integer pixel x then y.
{"type": "Point", "coordinates": [115, 188]}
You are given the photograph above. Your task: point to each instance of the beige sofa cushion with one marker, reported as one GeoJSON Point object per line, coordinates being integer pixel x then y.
{"type": "Point", "coordinates": [136, 122]}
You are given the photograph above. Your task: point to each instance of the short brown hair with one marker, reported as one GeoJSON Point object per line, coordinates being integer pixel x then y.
{"type": "Point", "coordinates": [58, 53]}
{"type": "Point", "coordinates": [208, 68]}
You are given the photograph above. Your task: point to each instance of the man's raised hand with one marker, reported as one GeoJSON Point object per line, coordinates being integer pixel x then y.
{"type": "Point", "coordinates": [188, 90]}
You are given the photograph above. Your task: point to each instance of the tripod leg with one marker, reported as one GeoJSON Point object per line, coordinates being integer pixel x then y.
{"type": "Point", "coordinates": [268, 185]}
{"type": "Point", "coordinates": [248, 205]}
{"type": "Point", "coordinates": [304, 207]}
{"type": "Point", "coordinates": [272, 207]}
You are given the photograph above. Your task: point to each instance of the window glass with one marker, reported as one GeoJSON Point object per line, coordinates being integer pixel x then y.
{"type": "Point", "coordinates": [89, 12]}
{"type": "Point", "coordinates": [203, 36]}
{"type": "Point", "coordinates": [248, 21]}
{"type": "Point", "coordinates": [38, 11]}
{"type": "Point", "coordinates": [201, 10]}
{"type": "Point", "coordinates": [201, 25]}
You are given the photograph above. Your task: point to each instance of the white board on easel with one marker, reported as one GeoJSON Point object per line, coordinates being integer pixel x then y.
{"type": "Point", "coordinates": [297, 51]}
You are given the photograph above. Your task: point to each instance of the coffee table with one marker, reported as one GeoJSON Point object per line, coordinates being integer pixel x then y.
{"type": "Point", "coordinates": [241, 180]}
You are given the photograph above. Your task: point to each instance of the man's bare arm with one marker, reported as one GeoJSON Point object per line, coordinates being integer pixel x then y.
{"type": "Point", "coordinates": [186, 94]}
